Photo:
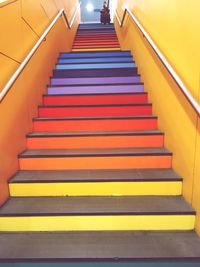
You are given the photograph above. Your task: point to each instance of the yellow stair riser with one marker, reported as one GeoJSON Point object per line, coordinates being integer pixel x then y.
{"type": "Point", "coordinates": [97, 223]}
{"type": "Point", "coordinates": [96, 189]}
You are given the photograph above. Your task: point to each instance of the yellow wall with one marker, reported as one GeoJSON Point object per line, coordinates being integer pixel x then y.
{"type": "Point", "coordinates": [21, 24]}
{"type": "Point", "coordinates": [172, 24]}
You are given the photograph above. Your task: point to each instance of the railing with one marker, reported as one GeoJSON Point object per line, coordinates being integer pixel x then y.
{"type": "Point", "coordinates": [195, 105]}
{"type": "Point", "coordinates": [34, 49]}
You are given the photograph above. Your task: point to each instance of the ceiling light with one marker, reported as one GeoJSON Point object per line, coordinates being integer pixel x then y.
{"type": "Point", "coordinates": [90, 7]}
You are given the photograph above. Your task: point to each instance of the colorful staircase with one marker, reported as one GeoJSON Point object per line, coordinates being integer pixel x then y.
{"type": "Point", "coordinates": [95, 182]}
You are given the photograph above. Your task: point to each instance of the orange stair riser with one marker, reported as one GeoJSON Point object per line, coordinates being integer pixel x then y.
{"type": "Point", "coordinates": [73, 163]}
{"type": "Point", "coordinates": [95, 142]}
{"type": "Point", "coordinates": [94, 111]}
{"type": "Point", "coordinates": [95, 125]}
{"type": "Point", "coordinates": [95, 99]}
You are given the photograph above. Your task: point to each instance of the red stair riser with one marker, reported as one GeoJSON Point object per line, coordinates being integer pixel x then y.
{"type": "Point", "coordinates": [94, 111]}
{"type": "Point", "coordinates": [95, 99]}
{"type": "Point", "coordinates": [94, 125]}
{"type": "Point", "coordinates": [95, 45]}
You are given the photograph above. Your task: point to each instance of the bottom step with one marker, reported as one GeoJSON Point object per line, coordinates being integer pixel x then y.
{"type": "Point", "coordinates": [100, 246]}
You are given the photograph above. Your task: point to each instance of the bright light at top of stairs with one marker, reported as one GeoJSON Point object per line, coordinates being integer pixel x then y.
{"type": "Point", "coordinates": [89, 7]}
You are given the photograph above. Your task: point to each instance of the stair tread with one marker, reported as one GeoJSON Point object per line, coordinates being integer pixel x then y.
{"type": "Point", "coordinates": [99, 85]}
{"type": "Point", "coordinates": [98, 118]}
{"type": "Point", "coordinates": [95, 105]}
{"type": "Point", "coordinates": [103, 245]}
{"type": "Point", "coordinates": [113, 205]}
{"type": "Point", "coordinates": [96, 175]}
{"type": "Point", "coordinates": [91, 133]}
{"type": "Point", "coordinates": [95, 152]}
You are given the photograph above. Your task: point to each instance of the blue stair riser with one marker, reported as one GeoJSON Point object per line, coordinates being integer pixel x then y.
{"type": "Point", "coordinates": [96, 60]}
{"type": "Point", "coordinates": [95, 54]}
{"type": "Point", "coordinates": [96, 89]}
{"type": "Point", "coordinates": [95, 66]}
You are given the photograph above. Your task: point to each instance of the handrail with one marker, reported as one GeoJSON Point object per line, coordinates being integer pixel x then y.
{"type": "Point", "coordinates": [195, 105]}
{"type": "Point", "coordinates": [13, 78]}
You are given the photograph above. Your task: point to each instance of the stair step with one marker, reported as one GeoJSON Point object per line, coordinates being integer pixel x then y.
{"type": "Point", "coordinates": [94, 152]}
{"type": "Point", "coordinates": [95, 183]}
{"type": "Point", "coordinates": [112, 175]}
{"type": "Point", "coordinates": [94, 66]}
{"type": "Point", "coordinates": [67, 140]}
{"type": "Point", "coordinates": [87, 99]}
{"type": "Point", "coordinates": [95, 46]}
{"type": "Point", "coordinates": [132, 246]}
{"type": "Point", "coordinates": [96, 213]}
{"type": "Point", "coordinates": [94, 60]}
{"type": "Point", "coordinates": [80, 73]}
{"type": "Point", "coordinates": [93, 49]}
{"type": "Point", "coordinates": [96, 81]}
{"type": "Point", "coordinates": [89, 89]}
{"type": "Point", "coordinates": [94, 54]}
{"type": "Point", "coordinates": [95, 110]}
{"type": "Point", "coordinates": [125, 205]}
{"type": "Point", "coordinates": [95, 124]}
{"type": "Point", "coordinates": [114, 158]}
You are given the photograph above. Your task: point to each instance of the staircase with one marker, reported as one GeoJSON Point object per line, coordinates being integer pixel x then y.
{"type": "Point", "coordinates": [96, 182]}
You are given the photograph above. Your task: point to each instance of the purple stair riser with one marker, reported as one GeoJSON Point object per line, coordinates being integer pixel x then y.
{"type": "Point", "coordinates": [96, 89]}
{"type": "Point", "coordinates": [103, 80]}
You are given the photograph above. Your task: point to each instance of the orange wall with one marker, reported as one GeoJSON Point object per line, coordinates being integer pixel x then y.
{"type": "Point", "coordinates": [172, 26]}
{"type": "Point", "coordinates": [17, 38]}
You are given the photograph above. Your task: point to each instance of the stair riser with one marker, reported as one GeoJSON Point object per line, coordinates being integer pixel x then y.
{"type": "Point", "coordinates": [97, 223]}
{"type": "Point", "coordinates": [109, 48]}
{"type": "Point", "coordinates": [96, 81]}
{"type": "Point", "coordinates": [94, 73]}
{"type": "Point", "coordinates": [95, 142]}
{"type": "Point", "coordinates": [97, 45]}
{"type": "Point", "coordinates": [104, 66]}
{"type": "Point", "coordinates": [93, 163]}
{"type": "Point", "coordinates": [94, 111]}
{"type": "Point", "coordinates": [95, 54]}
{"type": "Point", "coordinates": [95, 99]}
{"type": "Point", "coordinates": [100, 40]}
{"type": "Point", "coordinates": [138, 88]}
{"type": "Point", "coordinates": [95, 60]}
{"type": "Point", "coordinates": [95, 189]}
{"type": "Point", "coordinates": [87, 32]}
{"type": "Point", "coordinates": [95, 125]}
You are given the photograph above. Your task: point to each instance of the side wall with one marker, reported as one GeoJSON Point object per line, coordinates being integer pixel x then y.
{"type": "Point", "coordinates": [172, 24]}
{"type": "Point", "coordinates": [22, 22]}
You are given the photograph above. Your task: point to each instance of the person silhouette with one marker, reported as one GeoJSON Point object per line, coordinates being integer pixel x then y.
{"type": "Point", "coordinates": [105, 13]}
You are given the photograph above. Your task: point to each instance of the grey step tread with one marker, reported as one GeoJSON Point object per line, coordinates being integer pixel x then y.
{"type": "Point", "coordinates": [136, 175]}
{"type": "Point", "coordinates": [96, 105]}
{"type": "Point", "coordinates": [97, 133]}
{"type": "Point", "coordinates": [95, 152]}
{"type": "Point", "coordinates": [101, 246]}
{"type": "Point", "coordinates": [83, 206]}
{"type": "Point", "coordinates": [97, 118]}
